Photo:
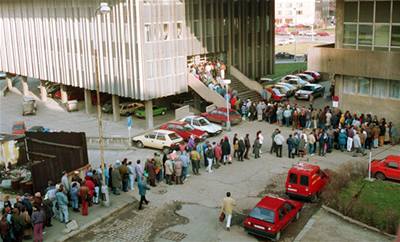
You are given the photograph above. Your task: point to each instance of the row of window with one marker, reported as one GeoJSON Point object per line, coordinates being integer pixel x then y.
{"type": "Point", "coordinates": [372, 11]}
{"type": "Point", "coordinates": [381, 35]}
{"type": "Point", "coordinates": [155, 32]}
{"type": "Point", "coordinates": [372, 87]}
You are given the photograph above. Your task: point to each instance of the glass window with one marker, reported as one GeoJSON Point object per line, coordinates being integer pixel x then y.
{"type": "Point", "coordinates": [365, 34]}
{"type": "Point", "coordinates": [350, 34]}
{"type": "Point", "coordinates": [382, 12]}
{"type": "Point", "coordinates": [173, 136]}
{"type": "Point", "coordinates": [349, 14]}
{"type": "Point", "coordinates": [161, 137]}
{"type": "Point", "coordinates": [366, 11]}
{"type": "Point", "coordinates": [393, 165]}
{"type": "Point", "coordinates": [394, 89]}
{"type": "Point", "coordinates": [304, 180]}
{"type": "Point", "coordinates": [349, 84]}
{"type": "Point", "coordinates": [382, 35]}
{"type": "Point", "coordinates": [396, 12]}
{"type": "Point", "coordinates": [379, 88]}
{"type": "Point", "coordinates": [395, 35]}
{"type": "Point", "coordinates": [147, 32]}
{"type": "Point", "coordinates": [381, 49]}
{"type": "Point", "coordinates": [292, 178]}
{"type": "Point", "coordinates": [179, 30]}
{"type": "Point", "coordinates": [263, 214]}
{"type": "Point", "coordinates": [364, 86]}
{"type": "Point", "coordinates": [165, 31]}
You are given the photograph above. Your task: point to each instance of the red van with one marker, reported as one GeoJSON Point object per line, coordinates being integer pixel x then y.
{"type": "Point", "coordinates": [305, 180]}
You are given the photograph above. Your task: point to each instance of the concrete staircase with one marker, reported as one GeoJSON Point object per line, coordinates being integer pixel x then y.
{"type": "Point", "coordinates": [205, 92]}
{"type": "Point", "coordinates": [246, 88]}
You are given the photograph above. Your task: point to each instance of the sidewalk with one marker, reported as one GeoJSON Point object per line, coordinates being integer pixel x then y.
{"type": "Point", "coordinates": [96, 214]}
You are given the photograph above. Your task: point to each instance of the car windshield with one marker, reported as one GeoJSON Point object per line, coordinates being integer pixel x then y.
{"type": "Point", "coordinates": [188, 127]}
{"type": "Point", "coordinates": [203, 122]}
{"type": "Point", "coordinates": [173, 136]}
{"type": "Point", "coordinates": [263, 214]}
{"type": "Point", "coordinates": [308, 88]}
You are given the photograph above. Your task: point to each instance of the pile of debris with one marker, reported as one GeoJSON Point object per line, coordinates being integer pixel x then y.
{"type": "Point", "coordinates": [16, 178]}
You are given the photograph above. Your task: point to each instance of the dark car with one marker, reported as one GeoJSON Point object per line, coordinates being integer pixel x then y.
{"type": "Point", "coordinates": [284, 55]}
{"type": "Point", "coordinates": [310, 91]}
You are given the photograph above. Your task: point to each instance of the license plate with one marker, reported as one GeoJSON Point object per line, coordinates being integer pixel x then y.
{"type": "Point", "coordinates": [292, 189]}
{"type": "Point", "coordinates": [258, 226]}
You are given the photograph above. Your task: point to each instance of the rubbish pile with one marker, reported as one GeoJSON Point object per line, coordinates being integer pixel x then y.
{"type": "Point", "coordinates": [17, 179]}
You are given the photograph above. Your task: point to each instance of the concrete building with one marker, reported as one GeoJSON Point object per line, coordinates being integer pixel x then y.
{"type": "Point", "coordinates": [304, 12]}
{"type": "Point", "coordinates": [143, 46]}
{"type": "Point", "coordinates": [365, 58]}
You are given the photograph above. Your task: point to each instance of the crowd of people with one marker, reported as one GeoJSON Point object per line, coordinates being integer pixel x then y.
{"type": "Point", "coordinates": [212, 73]}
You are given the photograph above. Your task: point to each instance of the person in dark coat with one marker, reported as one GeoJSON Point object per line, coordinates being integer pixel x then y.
{"type": "Point", "coordinates": [242, 148]}
{"type": "Point", "coordinates": [123, 170]}
{"type": "Point", "coordinates": [256, 148]}
{"type": "Point", "coordinates": [290, 143]}
{"type": "Point", "coordinates": [226, 150]}
{"type": "Point", "coordinates": [247, 145]}
{"type": "Point", "coordinates": [142, 192]}
{"type": "Point", "coordinates": [116, 178]}
{"type": "Point", "coordinates": [151, 171]}
{"type": "Point", "coordinates": [110, 183]}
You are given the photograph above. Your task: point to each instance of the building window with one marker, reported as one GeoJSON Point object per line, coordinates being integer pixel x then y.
{"type": "Point", "coordinates": [350, 34]}
{"type": "Point", "coordinates": [396, 12]}
{"type": "Point", "coordinates": [381, 35]}
{"type": "Point", "coordinates": [382, 12]}
{"type": "Point", "coordinates": [350, 12]}
{"type": "Point", "coordinates": [364, 86]}
{"type": "Point", "coordinates": [394, 89]}
{"type": "Point", "coordinates": [165, 31]}
{"type": "Point", "coordinates": [395, 35]}
{"type": "Point", "coordinates": [179, 30]}
{"type": "Point", "coordinates": [350, 84]}
{"type": "Point", "coordinates": [365, 34]}
{"type": "Point", "coordinates": [147, 32]}
{"type": "Point", "coordinates": [196, 28]}
{"type": "Point", "coordinates": [379, 88]}
{"type": "Point", "coordinates": [366, 11]}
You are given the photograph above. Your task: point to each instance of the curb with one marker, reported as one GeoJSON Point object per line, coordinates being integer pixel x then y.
{"type": "Point", "coordinates": [356, 222]}
{"type": "Point", "coordinates": [93, 222]}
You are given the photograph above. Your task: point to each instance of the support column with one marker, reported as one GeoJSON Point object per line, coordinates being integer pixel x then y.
{"type": "Point", "coordinates": [115, 107]}
{"type": "Point", "coordinates": [148, 105]}
{"type": "Point", "coordinates": [9, 83]}
{"type": "Point", "coordinates": [88, 101]}
{"type": "Point", "coordinates": [43, 91]}
{"type": "Point", "coordinates": [197, 101]}
{"type": "Point", "coordinates": [64, 95]}
{"type": "Point", "coordinates": [25, 88]}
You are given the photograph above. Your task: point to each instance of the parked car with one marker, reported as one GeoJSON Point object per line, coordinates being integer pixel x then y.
{"type": "Point", "coordinates": [288, 77]}
{"type": "Point", "coordinates": [322, 33]}
{"type": "Point", "coordinates": [164, 140]}
{"type": "Point", "coordinates": [305, 180]}
{"type": "Point", "coordinates": [73, 93]}
{"type": "Point", "coordinates": [18, 128]}
{"type": "Point", "coordinates": [284, 55]}
{"type": "Point", "coordinates": [29, 106]}
{"type": "Point", "coordinates": [310, 90]}
{"type": "Point", "coordinates": [38, 129]}
{"type": "Point", "coordinates": [387, 168]}
{"type": "Point", "coordinates": [276, 95]}
{"type": "Point", "coordinates": [185, 130]}
{"type": "Point", "coordinates": [284, 90]}
{"type": "Point", "coordinates": [265, 81]}
{"type": "Point", "coordinates": [271, 216]}
{"type": "Point", "coordinates": [218, 115]}
{"type": "Point", "coordinates": [202, 123]}
{"type": "Point", "coordinates": [310, 34]}
{"type": "Point", "coordinates": [288, 85]}
{"type": "Point", "coordinates": [296, 82]}
{"type": "Point", "coordinates": [140, 112]}
{"type": "Point", "coordinates": [306, 77]}
{"type": "Point", "coordinates": [128, 108]}
{"type": "Point", "coordinates": [314, 74]}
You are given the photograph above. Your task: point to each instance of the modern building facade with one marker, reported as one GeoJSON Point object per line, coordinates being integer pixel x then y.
{"type": "Point", "coordinates": [302, 12]}
{"type": "Point", "coordinates": [143, 46]}
{"type": "Point", "coordinates": [365, 58]}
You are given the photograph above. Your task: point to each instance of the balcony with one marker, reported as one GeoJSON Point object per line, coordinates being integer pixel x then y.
{"type": "Point", "coordinates": [375, 64]}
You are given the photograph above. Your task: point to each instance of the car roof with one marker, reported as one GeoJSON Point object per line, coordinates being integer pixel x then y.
{"type": "Point", "coordinates": [193, 117]}
{"type": "Point", "coordinates": [176, 122]}
{"type": "Point", "coordinates": [162, 131]}
{"type": "Point", "coordinates": [304, 168]}
{"type": "Point", "coordinates": [269, 202]}
{"type": "Point", "coordinates": [393, 157]}
{"type": "Point", "coordinates": [313, 85]}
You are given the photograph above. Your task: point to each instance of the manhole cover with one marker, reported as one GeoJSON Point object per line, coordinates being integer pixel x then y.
{"type": "Point", "coordinates": [162, 191]}
{"type": "Point", "coordinates": [173, 236]}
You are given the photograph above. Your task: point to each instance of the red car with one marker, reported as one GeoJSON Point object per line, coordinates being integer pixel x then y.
{"type": "Point", "coordinates": [219, 116]}
{"type": "Point", "coordinates": [185, 130]}
{"type": "Point", "coordinates": [322, 33]}
{"type": "Point", "coordinates": [276, 95]}
{"type": "Point", "coordinates": [18, 128]}
{"type": "Point", "coordinates": [73, 93]}
{"type": "Point", "coordinates": [305, 181]}
{"type": "Point", "coordinates": [314, 74]}
{"type": "Point", "coordinates": [271, 216]}
{"type": "Point", "coordinates": [387, 168]}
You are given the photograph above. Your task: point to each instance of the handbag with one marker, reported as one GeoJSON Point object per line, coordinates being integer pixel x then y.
{"type": "Point", "coordinates": [222, 217]}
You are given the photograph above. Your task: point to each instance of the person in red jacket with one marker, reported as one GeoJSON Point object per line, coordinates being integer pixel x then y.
{"type": "Point", "coordinates": [90, 184]}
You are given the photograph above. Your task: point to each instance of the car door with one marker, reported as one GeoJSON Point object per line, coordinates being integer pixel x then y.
{"type": "Point", "coordinates": [393, 170]}
{"type": "Point", "coordinates": [148, 140]}
{"type": "Point", "coordinates": [284, 218]}
{"type": "Point", "coordinates": [213, 116]}
{"type": "Point", "coordinates": [161, 141]}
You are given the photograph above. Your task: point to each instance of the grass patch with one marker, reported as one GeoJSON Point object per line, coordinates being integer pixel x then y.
{"type": "Point", "coordinates": [287, 68]}
{"type": "Point", "coordinates": [375, 203]}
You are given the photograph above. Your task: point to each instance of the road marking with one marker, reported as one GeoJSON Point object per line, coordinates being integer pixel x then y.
{"type": "Point", "coordinates": [306, 228]}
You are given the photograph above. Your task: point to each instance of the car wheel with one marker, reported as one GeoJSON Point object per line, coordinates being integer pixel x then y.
{"type": "Point", "coordinates": [277, 236]}
{"type": "Point", "coordinates": [380, 176]}
{"type": "Point", "coordinates": [139, 144]}
{"type": "Point", "coordinates": [314, 198]}
{"type": "Point", "coordinates": [297, 216]}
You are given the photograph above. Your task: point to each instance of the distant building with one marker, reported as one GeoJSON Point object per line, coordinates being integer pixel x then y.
{"type": "Point", "coordinates": [302, 12]}
{"type": "Point", "coordinates": [365, 58]}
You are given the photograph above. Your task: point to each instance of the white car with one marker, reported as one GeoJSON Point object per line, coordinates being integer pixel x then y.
{"type": "Point", "coordinates": [297, 82]}
{"type": "Point", "coordinates": [158, 139]}
{"type": "Point", "coordinates": [202, 123]}
{"type": "Point", "coordinates": [288, 77]}
{"type": "Point", "coordinates": [305, 77]}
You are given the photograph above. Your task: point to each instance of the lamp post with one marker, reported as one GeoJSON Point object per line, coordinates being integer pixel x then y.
{"type": "Point", "coordinates": [228, 121]}
{"type": "Point", "coordinates": [103, 9]}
